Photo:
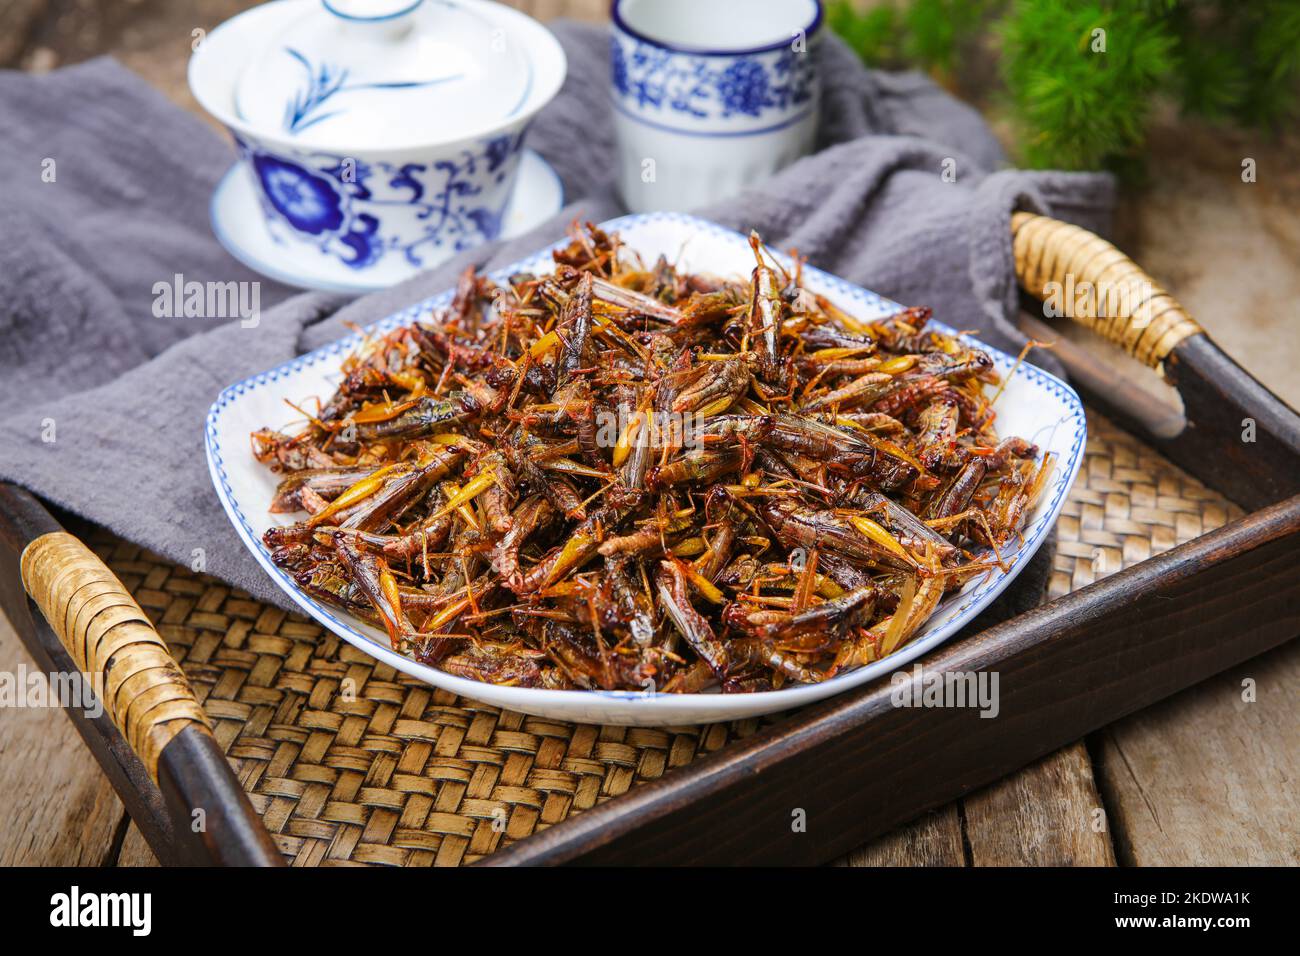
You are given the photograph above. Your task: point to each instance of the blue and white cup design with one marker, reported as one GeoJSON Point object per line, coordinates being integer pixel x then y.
{"type": "Point", "coordinates": [379, 202]}
{"type": "Point", "coordinates": [362, 211]}
{"type": "Point", "coordinates": [710, 96]}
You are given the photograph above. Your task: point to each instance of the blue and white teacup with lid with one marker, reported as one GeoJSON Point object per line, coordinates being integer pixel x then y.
{"type": "Point", "coordinates": [710, 96]}
{"type": "Point", "coordinates": [383, 136]}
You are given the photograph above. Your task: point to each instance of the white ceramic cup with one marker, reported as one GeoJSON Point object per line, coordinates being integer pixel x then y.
{"type": "Point", "coordinates": [375, 208]}
{"type": "Point", "coordinates": [710, 95]}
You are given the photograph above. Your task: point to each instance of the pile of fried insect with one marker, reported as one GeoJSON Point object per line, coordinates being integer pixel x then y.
{"type": "Point", "coordinates": [621, 475]}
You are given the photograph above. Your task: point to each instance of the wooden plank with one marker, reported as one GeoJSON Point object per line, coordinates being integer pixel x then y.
{"type": "Point", "coordinates": [933, 840]}
{"type": "Point", "coordinates": [859, 766]}
{"type": "Point", "coordinates": [595, 11]}
{"type": "Point", "coordinates": [135, 849]}
{"type": "Point", "coordinates": [550, 9]}
{"type": "Point", "coordinates": [1048, 814]}
{"type": "Point", "coordinates": [59, 807]}
{"type": "Point", "coordinates": [18, 18]}
{"type": "Point", "coordinates": [1207, 777]}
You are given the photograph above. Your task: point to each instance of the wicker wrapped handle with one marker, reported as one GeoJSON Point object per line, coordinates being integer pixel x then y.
{"type": "Point", "coordinates": [1098, 286]}
{"type": "Point", "coordinates": [110, 639]}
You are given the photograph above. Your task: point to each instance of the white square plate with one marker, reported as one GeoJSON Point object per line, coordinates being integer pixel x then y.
{"type": "Point", "coordinates": [1035, 405]}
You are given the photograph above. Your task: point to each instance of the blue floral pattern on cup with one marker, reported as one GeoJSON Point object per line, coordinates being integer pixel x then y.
{"type": "Point", "coordinates": [309, 202]}
{"type": "Point", "coordinates": [767, 85]}
{"type": "Point", "coordinates": [360, 212]}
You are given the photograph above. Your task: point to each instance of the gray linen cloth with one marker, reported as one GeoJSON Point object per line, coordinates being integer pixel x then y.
{"type": "Point", "coordinates": [123, 393]}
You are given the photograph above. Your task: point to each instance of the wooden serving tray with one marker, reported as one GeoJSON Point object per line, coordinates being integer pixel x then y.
{"type": "Point", "coordinates": [252, 729]}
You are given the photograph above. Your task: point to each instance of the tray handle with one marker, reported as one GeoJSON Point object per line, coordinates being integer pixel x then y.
{"type": "Point", "coordinates": [1232, 432]}
{"type": "Point", "coordinates": [1124, 305]}
{"type": "Point", "coordinates": [111, 641]}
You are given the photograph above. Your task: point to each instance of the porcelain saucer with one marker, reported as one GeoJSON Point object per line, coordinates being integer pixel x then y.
{"type": "Point", "coordinates": [241, 227]}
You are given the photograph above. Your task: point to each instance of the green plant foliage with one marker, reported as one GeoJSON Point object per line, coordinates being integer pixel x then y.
{"type": "Point", "coordinates": [934, 29]}
{"type": "Point", "coordinates": [874, 34]}
{"type": "Point", "coordinates": [1270, 97]}
{"type": "Point", "coordinates": [926, 33]}
{"type": "Point", "coordinates": [1077, 104]}
{"type": "Point", "coordinates": [1080, 77]}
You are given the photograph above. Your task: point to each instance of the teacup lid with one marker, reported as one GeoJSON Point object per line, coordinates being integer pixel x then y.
{"type": "Point", "coordinates": [383, 73]}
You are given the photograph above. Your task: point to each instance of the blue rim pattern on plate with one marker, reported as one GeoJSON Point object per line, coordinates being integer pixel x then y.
{"type": "Point", "coordinates": [972, 601]}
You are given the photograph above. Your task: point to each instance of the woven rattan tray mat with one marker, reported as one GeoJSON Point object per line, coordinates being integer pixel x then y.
{"type": "Point", "coordinates": [349, 761]}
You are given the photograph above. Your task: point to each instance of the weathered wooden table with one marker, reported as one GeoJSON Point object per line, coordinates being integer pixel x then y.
{"type": "Point", "coordinates": [1206, 777]}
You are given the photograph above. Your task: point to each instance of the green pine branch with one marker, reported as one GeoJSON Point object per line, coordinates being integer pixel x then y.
{"type": "Point", "coordinates": [1082, 99]}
